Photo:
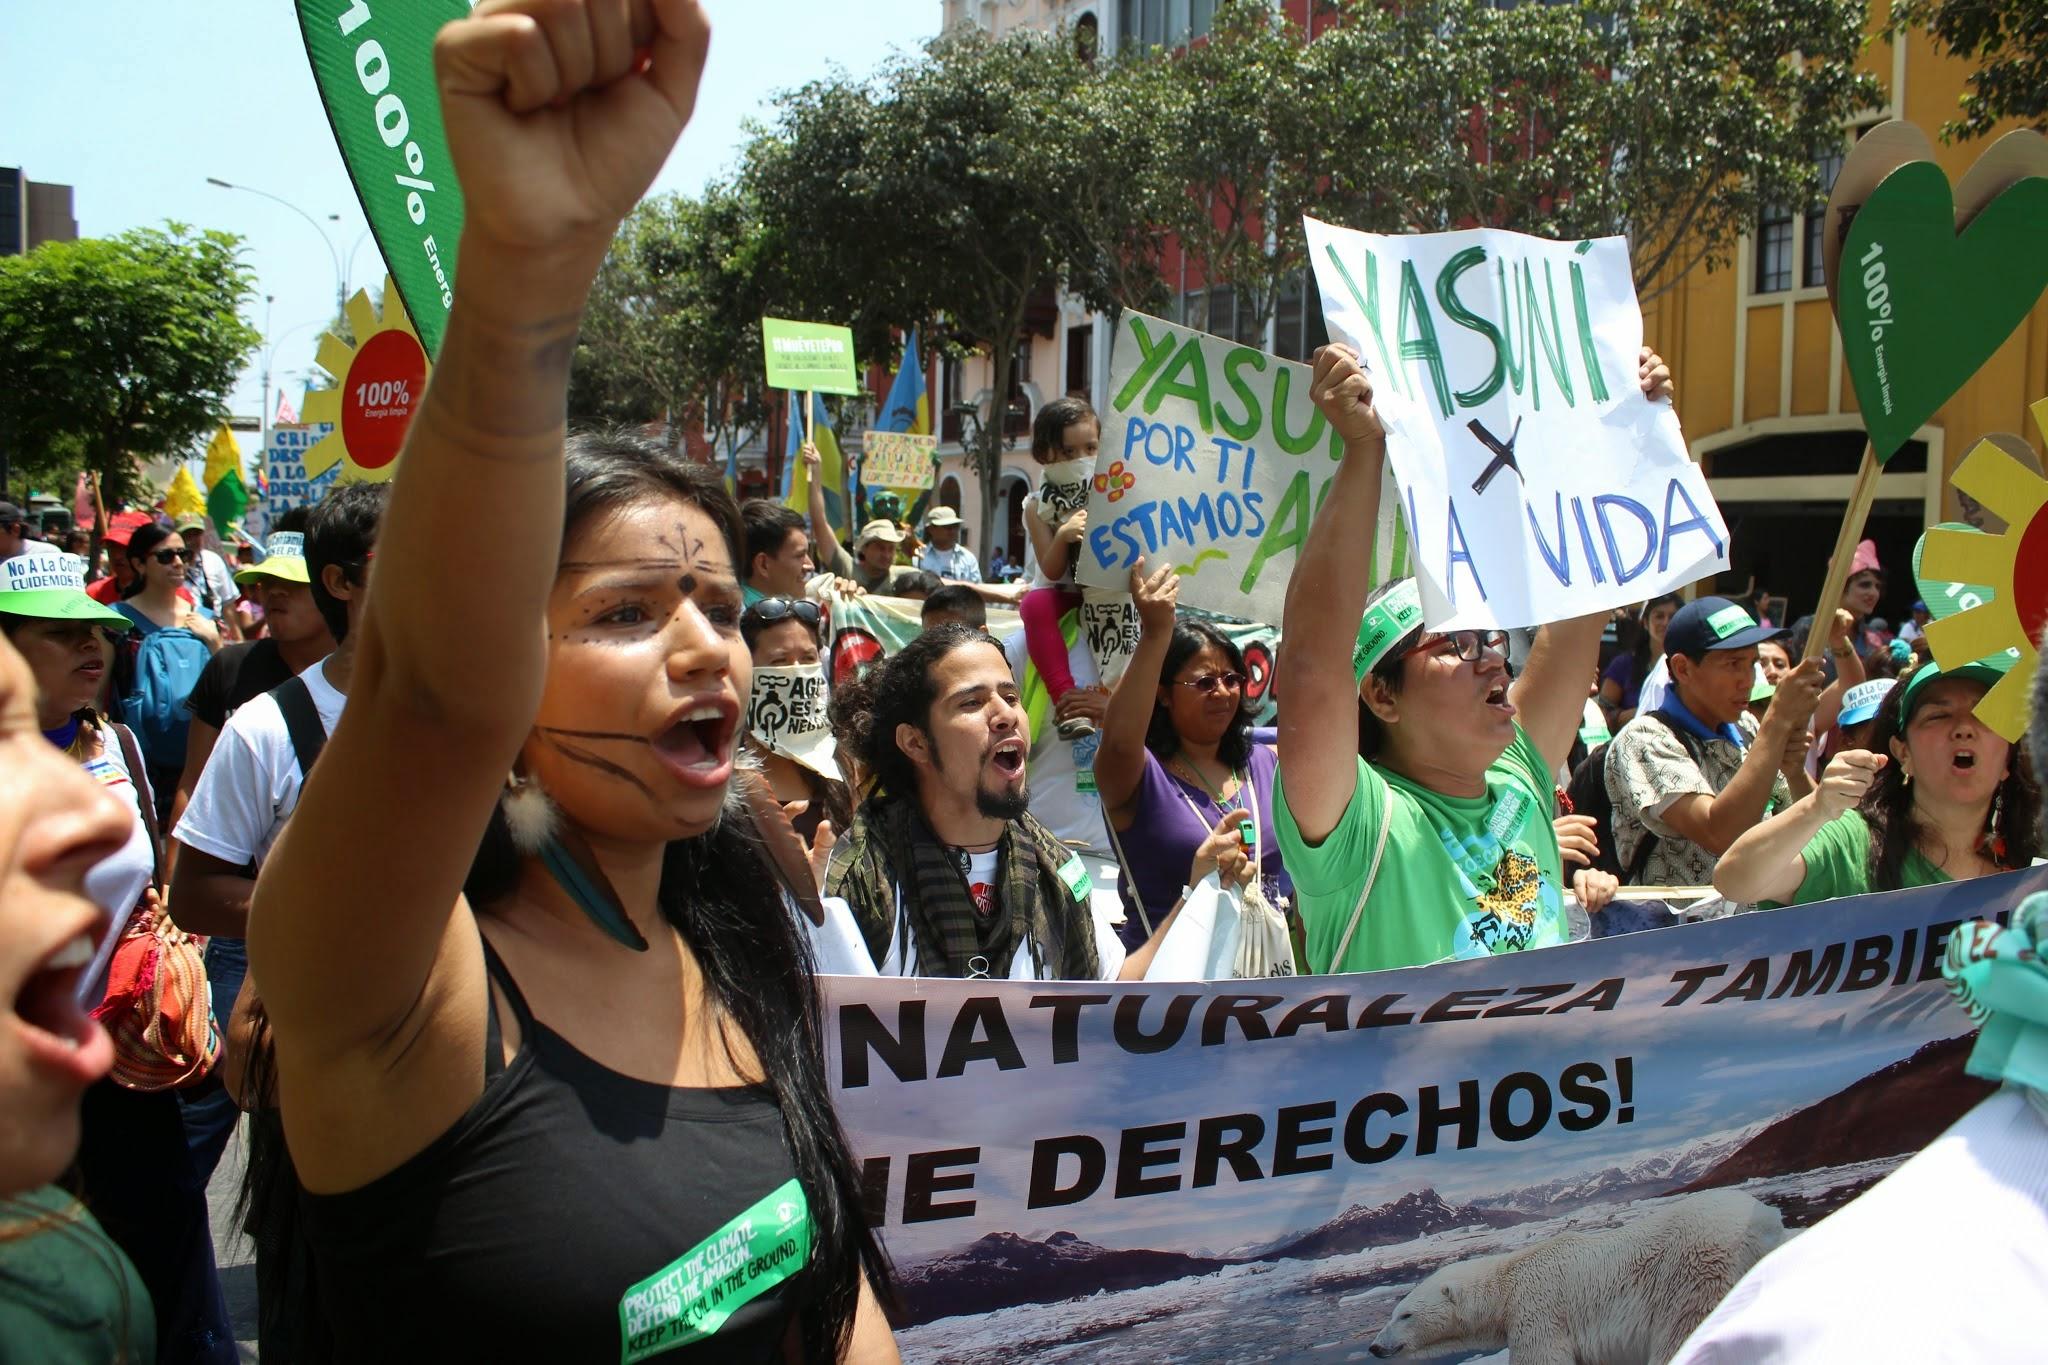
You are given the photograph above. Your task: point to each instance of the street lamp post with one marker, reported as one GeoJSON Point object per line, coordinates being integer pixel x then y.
{"type": "Point", "coordinates": [333, 252]}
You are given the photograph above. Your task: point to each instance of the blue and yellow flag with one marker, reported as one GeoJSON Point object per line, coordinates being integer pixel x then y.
{"type": "Point", "coordinates": [908, 408]}
{"type": "Point", "coordinates": [796, 482]}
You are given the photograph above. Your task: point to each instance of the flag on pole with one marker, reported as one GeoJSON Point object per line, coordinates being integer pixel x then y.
{"type": "Point", "coordinates": [796, 482]}
{"type": "Point", "coordinates": [183, 498]}
{"type": "Point", "coordinates": [287, 415]}
{"type": "Point", "coordinates": [908, 408]}
{"type": "Point", "coordinates": [227, 495]}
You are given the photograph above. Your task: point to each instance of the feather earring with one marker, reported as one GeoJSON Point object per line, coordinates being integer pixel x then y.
{"type": "Point", "coordinates": [538, 832]}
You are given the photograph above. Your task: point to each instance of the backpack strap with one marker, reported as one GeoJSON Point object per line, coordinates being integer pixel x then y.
{"type": "Point", "coordinates": [131, 754]}
{"type": "Point", "coordinates": [1372, 874]}
{"type": "Point", "coordinates": [301, 721]}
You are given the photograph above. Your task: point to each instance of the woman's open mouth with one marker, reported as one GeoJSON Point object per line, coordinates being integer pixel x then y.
{"type": "Point", "coordinates": [59, 1033]}
{"type": "Point", "coordinates": [1498, 700]}
{"type": "Point", "coordinates": [698, 746]}
{"type": "Point", "coordinates": [1965, 760]}
{"type": "Point", "coordinates": [1008, 758]}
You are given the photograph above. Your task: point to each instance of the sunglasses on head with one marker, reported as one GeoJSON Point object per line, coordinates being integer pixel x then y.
{"type": "Point", "coordinates": [769, 610]}
{"type": "Point", "coordinates": [172, 556]}
{"type": "Point", "coordinates": [1208, 683]}
{"type": "Point", "coordinates": [1466, 644]}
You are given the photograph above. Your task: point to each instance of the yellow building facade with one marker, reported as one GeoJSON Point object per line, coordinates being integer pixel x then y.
{"type": "Point", "coordinates": [1766, 400]}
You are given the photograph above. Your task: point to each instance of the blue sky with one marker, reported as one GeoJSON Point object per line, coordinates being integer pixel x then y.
{"type": "Point", "coordinates": [137, 104]}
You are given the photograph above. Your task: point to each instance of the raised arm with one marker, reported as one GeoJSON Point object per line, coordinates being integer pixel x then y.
{"type": "Point", "coordinates": [1848, 672]}
{"type": "Point", "coordinates": [1716, 822]}
{"type": "Point", "coordinates": [1120, 761]}
{"type": "Point", "coordinates": [825, 548]}
{"type": "Point", "coordinates": [1325, 602]}
{"type": "Point", "coordinates": [1550, 695]}
{"type": "Point", "coordinates": [556, 129]}
{"type": "Point", "coordinates": [1768, 863]}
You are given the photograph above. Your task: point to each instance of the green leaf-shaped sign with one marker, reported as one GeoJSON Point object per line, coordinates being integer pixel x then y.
{"type": "Point", "coordinates": [374, 64]}
{"type": "Point", "coordinates": [1922, 306]}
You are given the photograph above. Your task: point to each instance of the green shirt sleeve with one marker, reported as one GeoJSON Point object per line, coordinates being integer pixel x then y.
{"type": "Point", "coordinates": [1339, 862]}
{"type": "Point", "coordinates": [1837, 860]}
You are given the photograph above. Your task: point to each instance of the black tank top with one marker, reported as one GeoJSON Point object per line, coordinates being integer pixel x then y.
{"type": "Point", "coordinates": [572, 1214]}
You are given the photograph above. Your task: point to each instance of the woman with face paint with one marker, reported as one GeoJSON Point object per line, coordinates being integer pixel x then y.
{"type": "Point", "coordinates": [541, 1041]}
{"type": "Point", "coordinates": [1935, 797]}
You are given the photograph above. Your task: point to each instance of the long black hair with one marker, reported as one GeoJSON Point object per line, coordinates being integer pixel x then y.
{"type": "Point", "coordinates": [1189, 639]}
{"type": "Point", "coordinates": [2011, 836]}
{"type": "Point", "coordinates": [721, 895]}
{"type": "Point", "coordinates": [143, 543]}
{"type": "Point", "coordinates": [1639, 650]}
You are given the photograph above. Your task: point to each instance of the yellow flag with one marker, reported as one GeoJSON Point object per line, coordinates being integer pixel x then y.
{"type": "Point", "coordinates": [183, 498]}
{"type": "Point", "coordinates": [223, 457]}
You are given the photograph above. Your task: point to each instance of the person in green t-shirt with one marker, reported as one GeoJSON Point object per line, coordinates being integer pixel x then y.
{"type": "Point", "coordinates": [1937, 797]}
{"type": "Point", "coordinates": [1415, 793]}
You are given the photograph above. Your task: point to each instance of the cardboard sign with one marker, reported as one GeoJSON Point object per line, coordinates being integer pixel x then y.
{"type": "Point", "coordinates": [1539, 483]}
{"type": "Point", "coordinates": [375, 70]}
{"type": "Point", "coordinates": [284, 468]}
{"type": "Point", "coordinates": [787, 702]}
{"type": "Point", "coordinates": [1922, 305]}
{"type": "Point", "coordinates": [899, 459]}
{"type": "Point", "coordinates": [808, 357]}
{"type": "Point", "coordinates": [2010, 610]}
{"type": "Point", "coordinates": [1213, 459]}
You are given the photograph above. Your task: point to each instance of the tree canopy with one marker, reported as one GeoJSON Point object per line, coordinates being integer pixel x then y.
{"type": "Point", "coordinates": [119, 351]}
{"type": "Point", "coordinates": [2006, 41]}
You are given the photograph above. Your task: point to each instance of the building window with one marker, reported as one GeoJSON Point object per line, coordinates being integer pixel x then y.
{"type": "Point", "coordinates": [1773, 250]}
{"type": "Point", "coordinates": [1142, 22]}
{"type": "Point", "coordinates": [1081, 359]}
{"type": "Point", "coordinates": [1829, 164]}
{"type": "Point", "coordinates": [949, 398]}
{"type": "Point", "coordinates": [1202, 18]}
{"type": "Point", "coordinates": [1087, 38]}
{"type": "Point", "coordinates": [1298, 326]}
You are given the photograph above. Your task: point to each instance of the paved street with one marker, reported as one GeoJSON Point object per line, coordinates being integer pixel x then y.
{"type": "Point", "coordinates": [231, 1249]}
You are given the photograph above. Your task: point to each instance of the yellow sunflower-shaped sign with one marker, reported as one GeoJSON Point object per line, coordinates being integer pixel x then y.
{"type": "Point", "coordinates": [378, 385]}
{"type": "Point", "coordinates": [2013, 565]}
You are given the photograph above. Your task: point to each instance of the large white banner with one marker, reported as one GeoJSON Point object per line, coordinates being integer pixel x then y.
{"type": "Point", "coordinates": [1213, 460]}
{"type": "Point", "coordinates": [1281, 1169]}
{"type": "Point", "coordinates": [1538, 482]}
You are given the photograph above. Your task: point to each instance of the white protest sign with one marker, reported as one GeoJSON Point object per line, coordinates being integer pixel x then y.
{"type": "Point", "coordinates": [1539, 482]}
{"type": "Point", "coordinates": [1213, 459]}
{"type": "Point", "coordinates": [898, 459]}
{"type": "Point", "coordinates": [284, 468]}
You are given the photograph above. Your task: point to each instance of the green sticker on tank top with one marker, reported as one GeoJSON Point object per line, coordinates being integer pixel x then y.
{"type": "Point", "coordinates": [697, 1293]}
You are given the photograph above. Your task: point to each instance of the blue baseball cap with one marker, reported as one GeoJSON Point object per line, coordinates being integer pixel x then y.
{"type": "Point", "coordinates": [1710, 623]}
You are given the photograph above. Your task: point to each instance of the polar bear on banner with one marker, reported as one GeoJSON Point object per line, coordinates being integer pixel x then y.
{"type": "Point", "coordinates": [1629, 1296]}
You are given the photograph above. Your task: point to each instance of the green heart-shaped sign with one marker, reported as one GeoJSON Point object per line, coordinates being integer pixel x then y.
{"type": "Point", "coordinates": [1922, 307]}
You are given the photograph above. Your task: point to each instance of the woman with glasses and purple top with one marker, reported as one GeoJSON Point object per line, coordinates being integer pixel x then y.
{"type": "Point", "coordinates": [1177, 756]}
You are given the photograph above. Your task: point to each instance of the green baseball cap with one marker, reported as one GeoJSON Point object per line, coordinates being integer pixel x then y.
{"type": "Point", "coordinates": [284, 559]}
{"type": "Point", "coordinates": [1387, 622]}
{"type": "Point", "coordinates": [52, 586]}
{"type": "Point", "coordinates": [1987, 671]}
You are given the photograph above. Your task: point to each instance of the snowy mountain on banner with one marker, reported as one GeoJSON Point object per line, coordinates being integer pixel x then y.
{"type": "Point", "coordinates": [1002, 1270]}
{"type": "Point", "coordinates": [1653, 1174]}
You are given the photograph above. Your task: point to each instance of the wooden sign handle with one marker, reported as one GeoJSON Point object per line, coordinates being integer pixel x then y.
{"type": "Point", "coordinates": [808, 400]}
{"type": "Point", "coordinates": [1853, 517]}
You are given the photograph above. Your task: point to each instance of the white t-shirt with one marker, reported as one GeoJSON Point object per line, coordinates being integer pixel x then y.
{"type": "Point", "coordinates": [35, 547]}
{"type": "Point", "coordinates": [1061, 772]}
{"type": "Point", "coordinates": [1946, 1259]}
{"type": "Point", "coordinates": [1108, 947]}
{"type": "Point", "coordinates": [1651, 694]}
{"type": "Point", "coordinates": [251, 783]}
{"type": "Point", "coordinates": [117, 883]}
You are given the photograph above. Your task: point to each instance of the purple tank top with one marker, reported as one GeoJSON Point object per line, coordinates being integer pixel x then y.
{"type": "Point", "coordinates": [1172, 819]}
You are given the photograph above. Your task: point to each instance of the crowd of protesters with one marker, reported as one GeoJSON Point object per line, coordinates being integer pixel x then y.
{"type": "Point", "coordinates": [488, 875]}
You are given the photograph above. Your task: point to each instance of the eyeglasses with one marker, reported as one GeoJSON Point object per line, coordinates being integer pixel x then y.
{"type": "Point", "coordinates": [1466, 644]}
{"type": "Point", "coordinates": [772, 609]}
{"type": "Point", "coordinates": [1208, 683]}
{"type": "Point", "coordinates": [172, 556]}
